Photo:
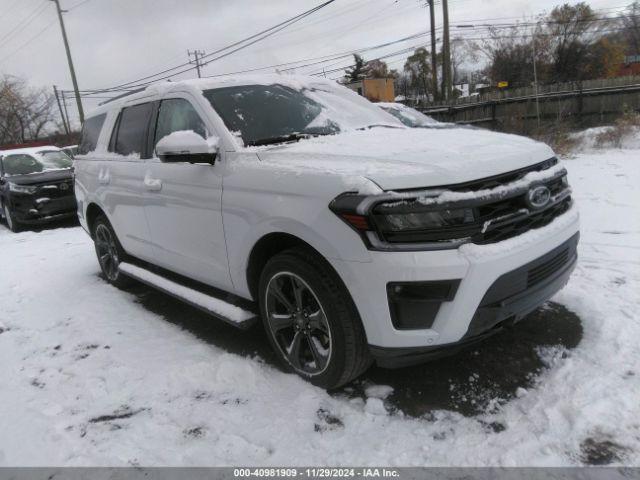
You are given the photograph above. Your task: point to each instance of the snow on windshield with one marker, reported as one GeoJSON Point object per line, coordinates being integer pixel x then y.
{"type": "Point", "coordinates": [25, 164]}
{"type": "Point", "coordinates": [265, 109]}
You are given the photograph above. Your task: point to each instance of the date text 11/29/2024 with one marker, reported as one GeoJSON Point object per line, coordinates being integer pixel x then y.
{"type": "Point", "coordinates": [316, 472]}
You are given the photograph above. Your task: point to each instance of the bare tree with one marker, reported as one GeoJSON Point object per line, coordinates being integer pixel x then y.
{"type": "Point", "coordinates": [418, 69]}
{"type": "Point", "coordinates": [572, 30]}
{"type": "Point", "coordinates": [462, 52]}
{"type": "Point", "coordinates": [26, 113]}
{"type": "Point", "coordinates": [630, 20]}
{"type": "Point", "coordinates": [570, 44]}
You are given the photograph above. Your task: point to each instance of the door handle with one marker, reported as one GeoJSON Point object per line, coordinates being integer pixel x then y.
{"type": "Point", "coordinates": [153, 184]}
{"type": "Point", "coordinates": [104, 178]}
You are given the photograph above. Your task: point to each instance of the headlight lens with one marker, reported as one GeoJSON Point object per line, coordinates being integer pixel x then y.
{"type": "Point", "coordinates": [422, 220]}
{"type": "Point", "coordinates": [14, 187]}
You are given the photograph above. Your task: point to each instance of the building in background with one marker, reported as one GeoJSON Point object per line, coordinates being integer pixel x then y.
{"type": "Point", "coordinates": [631, 66]}
{"type": "Point", "coordinates": [375, 89]}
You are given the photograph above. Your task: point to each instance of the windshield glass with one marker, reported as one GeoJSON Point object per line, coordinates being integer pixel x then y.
{"type": "Point", "coordinates": [263, 114]}
{"type": "Point", "coordinates": [409, 116]}
{"type": "Point", "coordinates": [23, 164]}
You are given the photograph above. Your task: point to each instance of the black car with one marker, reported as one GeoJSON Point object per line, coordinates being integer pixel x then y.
{"type": "Point", "coordinates": [36, 186]}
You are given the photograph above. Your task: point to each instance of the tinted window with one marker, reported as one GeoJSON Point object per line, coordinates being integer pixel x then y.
{"type": "Point", "coordinates": [261, 112]}
{"type": "Point", "coordinates": [90, 133]}
{"type": "Point", "coordinates": [178, 114]}
{"type": "Point", "coordinates": [131, 129]}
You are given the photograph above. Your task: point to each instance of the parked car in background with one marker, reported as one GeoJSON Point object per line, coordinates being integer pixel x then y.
{"type": "Point", "coordinates": [408, 116]}
{"type": "Point", "coordinates": [70, 150]}
{"type": "Point", "coordinates": [36, 186]}
{"type": "Point", "coordinates": [356, 238]}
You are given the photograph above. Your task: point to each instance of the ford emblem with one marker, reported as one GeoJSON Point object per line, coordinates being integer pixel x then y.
{"type": "Point", "coordinates": [538, 197]}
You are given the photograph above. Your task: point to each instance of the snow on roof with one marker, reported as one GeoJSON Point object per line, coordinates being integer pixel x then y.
{"type": "Point", "coordinates": [29, 150]}
{"type": "Point", "coordinates": [297, 82]}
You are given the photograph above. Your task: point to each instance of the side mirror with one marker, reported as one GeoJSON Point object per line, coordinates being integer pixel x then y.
{"type": "Point", "coordinates": [187, 146]}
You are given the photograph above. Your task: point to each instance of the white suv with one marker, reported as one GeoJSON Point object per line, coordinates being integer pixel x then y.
{"type": "Point", "coordinates": [354, 238]}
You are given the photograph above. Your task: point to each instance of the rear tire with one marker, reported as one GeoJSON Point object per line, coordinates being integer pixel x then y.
{"type": "Point", "coordinates": [110, 253]}
{"type": "Point", "coordinates": [310, 319]}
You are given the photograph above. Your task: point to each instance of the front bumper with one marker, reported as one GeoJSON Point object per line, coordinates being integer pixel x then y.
{"type": "Point", "coordinates": [36, 210]}
{"type": "Point", "coordinates": [477, 307]}
{"type": "Point", "coordinates": [509, 299]}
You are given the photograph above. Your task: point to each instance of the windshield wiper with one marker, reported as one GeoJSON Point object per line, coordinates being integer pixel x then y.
{"type": "Point", "coordinates": [292, 137]}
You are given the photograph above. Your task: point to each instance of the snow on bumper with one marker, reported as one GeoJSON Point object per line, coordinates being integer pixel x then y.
{"type": "Point", "coordinates": [476, 266]}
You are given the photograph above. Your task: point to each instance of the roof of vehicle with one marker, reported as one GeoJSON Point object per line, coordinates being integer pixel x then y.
{"type": "Point", "coordinates": [29, 150]}
{"type": "Point", "coordinates": [196, 85]}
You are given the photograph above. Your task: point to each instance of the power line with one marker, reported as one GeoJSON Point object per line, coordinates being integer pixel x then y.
{"type": "Point", "coordinates": [322, 60]}
{"type": "Point", "coordinates": [10, 8]}
{"type": "Point", "coordinates": [26, 20]}
{"type": "Point", "coordinates": [31, 39]}
{"type": "Point", "coordinates": [79, 4]}
{"type": "Point", "coordinates": [241, 44]}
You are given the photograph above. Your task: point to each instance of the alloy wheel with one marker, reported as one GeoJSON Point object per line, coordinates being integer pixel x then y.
{"type": "Point", "coordinates": [107, 252]}
{"type": "Point", "coordinates": [298, 323]}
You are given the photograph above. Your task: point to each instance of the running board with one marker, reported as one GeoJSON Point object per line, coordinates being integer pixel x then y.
{"type": "Point", "coordinates": [236, 316]}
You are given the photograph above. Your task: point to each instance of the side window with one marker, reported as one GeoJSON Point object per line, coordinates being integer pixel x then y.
{"type": "Point", "coordinates": [90, 133]}
{"type": "Point", "coordinates": [178, 114]}
{"type": "Point", "coordinates": [130, 133]}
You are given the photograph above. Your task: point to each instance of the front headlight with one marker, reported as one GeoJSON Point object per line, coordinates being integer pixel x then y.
{"type": "Point", "coordinates": [406, 221]}
{"type": "Point", "coordinates": [14, 187]}
{"type": "Point", "coordinates": [399, 220]}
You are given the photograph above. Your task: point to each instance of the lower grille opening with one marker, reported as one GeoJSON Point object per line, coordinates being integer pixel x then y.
{"type": "Point", "coordinates": [548, 268]}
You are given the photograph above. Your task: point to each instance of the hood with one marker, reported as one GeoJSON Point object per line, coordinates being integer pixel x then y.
{"type": "Point", "coordinates": [41, 177]}
{"type": "Point", "coordinates": [403, 158]}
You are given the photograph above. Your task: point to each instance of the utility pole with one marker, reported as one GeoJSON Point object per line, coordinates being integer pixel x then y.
{"type": "Point", "coordinates": [446, 50]}
{"type": "Point", "coordinates": [434, 53]}
{"type": "Point", "coordinates": [535, 79]}
{"type": "Point", "coordinates": [64, 121]}
{"type": "Point", "coordinates": [64, 105]}
{"type": "Point", "coordinates": [197, 54]}
{"type": "Point", "coordinates": [71, 69]}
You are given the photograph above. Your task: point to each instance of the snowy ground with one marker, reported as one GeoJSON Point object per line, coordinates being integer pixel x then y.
{"type": "Point", "coordinates": [90, 375]}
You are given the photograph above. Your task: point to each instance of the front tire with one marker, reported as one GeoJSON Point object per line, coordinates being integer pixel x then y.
{"type": "Point", "coordinates": [13, 225]}
{"type": "Point", "coordinates": [310, 319]}
{"type": "Point", "coordinates": [110, 253]}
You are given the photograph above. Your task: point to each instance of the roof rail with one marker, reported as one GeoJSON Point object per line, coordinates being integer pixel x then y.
{"type": "Point", "coordinates": [126, 94]}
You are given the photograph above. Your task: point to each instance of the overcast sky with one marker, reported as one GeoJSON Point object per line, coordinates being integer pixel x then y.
{"type": "Point", "coordinates": [115, 41]}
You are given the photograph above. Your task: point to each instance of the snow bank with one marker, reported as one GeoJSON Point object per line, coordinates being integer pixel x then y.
{"type": "Point", "coordinates": [587, 140]}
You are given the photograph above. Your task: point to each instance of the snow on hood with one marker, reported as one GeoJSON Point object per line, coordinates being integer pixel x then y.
{"type": "Point", "coordinates": [402, 158]}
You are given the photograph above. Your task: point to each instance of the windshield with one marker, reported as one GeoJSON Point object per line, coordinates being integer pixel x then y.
{"type": "Point", "coordinates": [263, 114]}
{"type": "Point", "coordinates": [409, 116]}
{"type": "Point", "coordinates": [23, 164]}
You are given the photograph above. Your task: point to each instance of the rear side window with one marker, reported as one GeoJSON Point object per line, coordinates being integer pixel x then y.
{"type": "Point", "coordinates": [130, 134]}
{"type": "Point", "coordinates": [90, 133]}
{"type": "Point", "coordinates": [177, 114]}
